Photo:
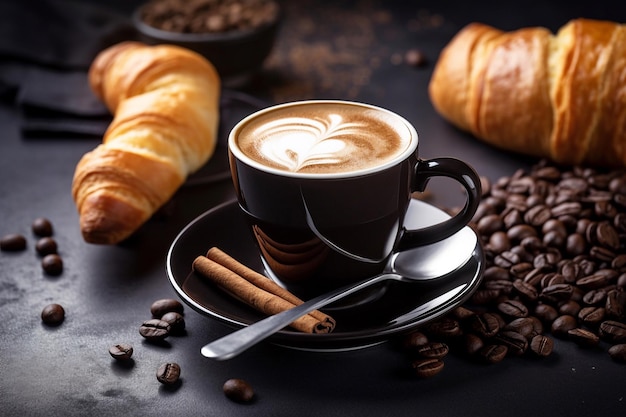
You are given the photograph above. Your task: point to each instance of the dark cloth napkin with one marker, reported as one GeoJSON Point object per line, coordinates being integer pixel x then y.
{"type": "Point", "coordinates": [46, 48]}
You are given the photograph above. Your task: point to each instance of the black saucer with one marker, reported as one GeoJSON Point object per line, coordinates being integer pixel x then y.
{"type": "Point", "coordinates": [402, 307]}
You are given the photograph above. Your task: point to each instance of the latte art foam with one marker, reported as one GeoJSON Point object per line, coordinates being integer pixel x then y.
{"type": "Point", "coordinates": [323, 138]}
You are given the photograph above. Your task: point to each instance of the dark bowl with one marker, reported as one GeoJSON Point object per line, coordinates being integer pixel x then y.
{"type": "Point", "coordinates": [237, 54]}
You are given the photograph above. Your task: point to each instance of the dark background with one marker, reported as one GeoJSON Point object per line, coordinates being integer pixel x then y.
{"type": "Point", "coordinates": [107, 291]}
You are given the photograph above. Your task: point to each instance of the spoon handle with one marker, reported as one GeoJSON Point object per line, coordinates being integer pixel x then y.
{"type": "Point", "coordinates": [233, 344]}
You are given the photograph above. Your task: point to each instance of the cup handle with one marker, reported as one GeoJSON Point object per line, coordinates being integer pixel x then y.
{"type": "Point", "coordinates": [443, 167]}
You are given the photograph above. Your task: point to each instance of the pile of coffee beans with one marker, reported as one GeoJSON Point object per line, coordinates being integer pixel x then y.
{"type": "Point", "coordinates": [555, 247]}
{"type": "Point", "coordinates": [209, 16]}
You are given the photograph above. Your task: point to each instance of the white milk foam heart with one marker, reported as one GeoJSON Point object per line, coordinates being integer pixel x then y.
{"type": "Point", "coordinates": [324, 138]}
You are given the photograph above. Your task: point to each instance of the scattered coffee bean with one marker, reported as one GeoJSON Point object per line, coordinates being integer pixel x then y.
{"type": "Point", "coordinates": [46, 246]}
{"type": "Point", "coordinates": [493, 353]}
{"type": "Point", "coordinates": [613, 331]}
{"type": "Point", "coordinates": [583, 337]}
{"type": "Point", "coordinates": [563, 324]}
{"type": "Point", "coordinates": [414, 340]}
{"type": "Point", "coordinates": [432, 350]}
{"type": "Point", "coordinates": [541, 345]}
{"type": "Point", "coordinates": [160, 307]}
{"type": "Point", "coordinates": [238, 390]}
{"type": "Point", "coordinates": [53, 314]}
{"type": "Point", "coordinates": [168, 373]}
{"type": "Point", "coordinates": [485, 324]}
{"type": "Point", "coordinates": [155, 329]}
{"type": "Point", "coordinates": [13, 243]}
{"type": "Point", "coordinates": [176, 322]}
{"type": "Point", "coordinates": [427, 368]}
{"type": "Point", "coordinates": [121, 351]}
{"type": "Point", "coordinates": [52, 264]}
{"type": "Point", "coordinates": [42, 227]}
{"type": "Point", "coordinates": [618, 352]}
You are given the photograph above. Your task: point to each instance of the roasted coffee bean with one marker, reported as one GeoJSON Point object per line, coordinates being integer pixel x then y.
{"type": "Point", "coordinates": [513, 308]}
{"type": "Point", "coordinates": [521, 269]}
{"type": "Point", "coordinates": [489, 224]}
{"type": "Point", "coordinates": [583, 337]}
{"type": "Point", "coordinates": [532, 244]}
{"type": "Point", "coordinates": [13, 243]}
{"type": "Point", "coordinates": [575, 244]}
{"type": "Point", "coordinates": [592, 316]}
{"type": "Point", "coordinates": [556, 292]}
{"type": "Point", "coordinates": [53, 314]}
{"type": "Point", "coordinates": [414, 340]}
{"type": "Point", "coordinates": [238, 390]}
{"type": "Point", "coordinates": [512, 218]}
{"type": "Point", "coordinates": [525, 290]}
{"type": "Point", "coordinates": [155, 329]}
{"type": "Point", "coordinates": [570, 271]}
{"type": "Point", "coordinates": [168, 373]}
{"type": "Point", "coordinates": [616, 305]}
{"type": "Point", "coordinates": [546, 312]}
{"type": "Point", "coordinates": [52, 264]}
{"type": "Point", "coordinates": [42, 227]}
{"type": "Point", "coordinates": [568, 208]}
{"type": "Point", "coordinates": [462, 313]}
{"type": "Point", "coordinates": [546, 260]}
{"type": "Point", "coordinates": [534, 277]}
{"type": "Point", "coordinates": [554, 239]}
{"type": "Point", "coordinates": [427, 368]}
{"type": "Point", "coordinates": [563, 324]}
{"type": "Point", "coordinates": [165, 305]}
{"type": "Point", "coordinates": [591, 282]}
{"type": "Point", "coordinates": [613, 331]}
{"type": "Point", "coordinates": [121, 351]}
{"type": "Point", "coordinates": [46, 246]}
{"type": "Point", "coordinates": [472, 343]}
{"type": "Point", "coordinates": [483, 296]}
{"type": "Point", "coordinates": [618, 352]}
{"type": "Point", "coordinates": [493, 353]}
{"type": "Point", "coordinates": [432, 350]}
{"type": "Point", "coordinates": [499, 242]}
{"type": "Point", "coordinates": [176, 322]}
{"type": "Point", "coordinates": [619, 262]}
{"type": "Point", "coordinates": [516, 343]}
{"type": "Point", "coordinates": [594, 297]}
{"type": "Point", "coordinates": [495, 273]}
{"type": "Point", "coordinates": [521, 231]}
{"type": "Point", "coordinates": [551, 278]}
{"type": "Point", "coordinates": [570, 307]}
{"type": "Point", "coordinates": [485, 324]}
{"type": "Point", "coordinates": [607, 236]}
{"type": "Point", "coordinates": [506, 259]}
{"type": "Point", "coordinates": [541, 345]}
{"type": "Point", "coordinates": [445, 328]}
{"type": "Point", "coordinates": [523, 326]}
{"type": "Point", "coordinates": [601, 254]}
{"type": "Point", "coordinates": [538, 215]}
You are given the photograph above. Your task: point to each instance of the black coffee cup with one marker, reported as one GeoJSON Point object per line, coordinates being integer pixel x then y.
{"type": "Point", "coordinates": [325, 186]}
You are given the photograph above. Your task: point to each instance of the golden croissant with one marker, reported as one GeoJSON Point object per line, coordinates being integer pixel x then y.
{"type": "Point", "coordinates": [165, 102]}
{"type": "Point", "coordinates": [561, 97]}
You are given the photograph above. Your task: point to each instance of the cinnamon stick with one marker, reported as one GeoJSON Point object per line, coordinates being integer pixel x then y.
{"type": "Point", "coordinates": [258, 296]}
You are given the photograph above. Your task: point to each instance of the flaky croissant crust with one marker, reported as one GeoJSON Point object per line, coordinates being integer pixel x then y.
{"type": "Point", "coordinates": [559, 96]}
{"type": "Point", "coordinates": [165, 102]}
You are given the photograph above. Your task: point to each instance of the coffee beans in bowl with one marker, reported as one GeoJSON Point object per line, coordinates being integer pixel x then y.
{"type": "Point", "coordinates": [236, 36]}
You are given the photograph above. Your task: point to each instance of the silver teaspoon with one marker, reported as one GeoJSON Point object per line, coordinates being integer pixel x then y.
{"type": "Point", "coordinates": [419, 264]}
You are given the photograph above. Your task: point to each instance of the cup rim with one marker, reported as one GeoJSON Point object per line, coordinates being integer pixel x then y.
{"type": "Point", "coordinates": [234, 149]}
